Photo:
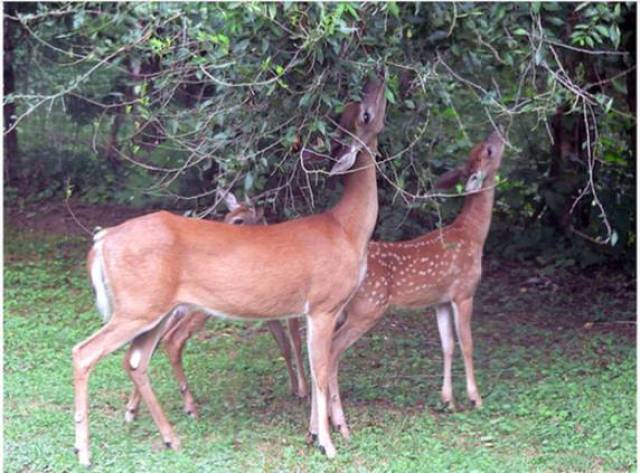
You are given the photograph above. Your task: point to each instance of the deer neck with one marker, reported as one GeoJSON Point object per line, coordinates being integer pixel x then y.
{"type": "Point", "coordinates": [475, 216]}
{"type": "Point", "coordinates": [357, 210]}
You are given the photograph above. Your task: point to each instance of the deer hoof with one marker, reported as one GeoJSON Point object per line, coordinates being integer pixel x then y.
{"type": "Point", "coordinates": [129, 416]}
{"type": "Point", "coordinates": [191, 410]}
{"type": "Point", "coordinates": [328, 450]}
{"type": "Point", "coordinates": [311, 438]}
{"type": "Point", "coordinates": [344, 431]}
{"type": "Point", "coordinates": [446, 406]}
{"type": "Point", "coordinates": [476, 403]}
{"type": "Point", "coordinates": [84, 459]}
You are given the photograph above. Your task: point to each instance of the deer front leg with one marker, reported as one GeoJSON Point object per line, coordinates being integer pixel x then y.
{"type": "Point", "coordinates": [319, 332]}
{"type": "Point", "coordinates": [443, 314]}
{"type": "Point", "coordinates": [462, 311]}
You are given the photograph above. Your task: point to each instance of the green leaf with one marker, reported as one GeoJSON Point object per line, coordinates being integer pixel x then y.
{"type": "Point", "coordinates": [603, 30]}
{"type": "Point", "coordinates": [248, 182]}
{"type": "Point", "coordinates": [551, 6]}
{"type": "Point", "coordinates": [392, 7]}
{"type": "Point", "coordinates": [389, 96]}
{"type": "Point", "coordinates": [520, 32]}
{"type": "Point", "coordinates": [539, 56]}
{"type": "Point", "coordinates": [614, 35]}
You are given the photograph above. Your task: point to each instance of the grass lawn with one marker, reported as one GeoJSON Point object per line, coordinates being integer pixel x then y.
{"type": "Point", "coordinates": [559, 395]}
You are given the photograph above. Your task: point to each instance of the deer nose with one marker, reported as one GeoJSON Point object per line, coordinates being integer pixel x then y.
{"type": "Point", "coordinates": [495, 137]}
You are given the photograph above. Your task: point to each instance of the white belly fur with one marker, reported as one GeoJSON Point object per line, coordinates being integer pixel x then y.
{"type": "Point", "coordinates": [190, 308]}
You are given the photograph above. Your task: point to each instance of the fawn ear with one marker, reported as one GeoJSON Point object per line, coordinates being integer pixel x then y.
{"type": "Point", "coordinates": [259, 213]}
{"type": "Point", "coordinates": [449, 179]}
{"type": "Point", "coordinates": [231, 201]}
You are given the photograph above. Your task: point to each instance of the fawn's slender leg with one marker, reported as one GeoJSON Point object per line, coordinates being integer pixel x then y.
{"type": "Point", "coordinates": [296, 343]}
{"type": "Point", "coordinates": [174, 343]}
{"type": "Point", "coordinates": [462, 311]}
{"type": "Point", "coordinates": [277, 330]}
{"type": "Point", "coordinates": [357, 323]}
{"type": "Point", "coordinates": [443, 314]}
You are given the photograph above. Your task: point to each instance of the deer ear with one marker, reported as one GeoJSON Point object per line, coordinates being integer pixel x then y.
{"type": "Point", "coordinates": [449, 179]}
{"type": "Point", "coordinates": [259, 213]}
{"type": "Point", "coordinates": [346, 162]}
{"type": "Point", "coordinates": [231, 201]}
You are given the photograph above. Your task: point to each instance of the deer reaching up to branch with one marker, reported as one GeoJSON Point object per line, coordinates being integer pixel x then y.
{"type": "Point", "coordinates": [440, 269]}
{"type": "Point", "coordinates": [179, 330]}
{"type": "Point", "coordinates": [158, 267]}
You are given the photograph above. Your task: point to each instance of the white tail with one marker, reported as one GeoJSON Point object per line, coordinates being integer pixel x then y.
{"type": "Point", "coordinates": [161, 266]}
{"type": "Point", "coordinates": [440, 269]}
{"type": "Point", "coordinates": [96, 270]}
{"type": "Point", "coordinates": [180, 330]}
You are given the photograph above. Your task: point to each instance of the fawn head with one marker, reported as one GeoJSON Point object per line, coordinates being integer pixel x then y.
{"type": "Point", "coordinates": [242, 213]}
{"type": "Point", "coordinates": [484, 160]}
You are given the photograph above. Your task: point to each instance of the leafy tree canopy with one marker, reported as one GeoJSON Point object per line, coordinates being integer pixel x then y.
{"type": "Point", "coordinates": [167, 103]}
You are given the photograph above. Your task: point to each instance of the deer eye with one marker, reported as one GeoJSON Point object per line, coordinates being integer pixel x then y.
{"type": "Point", "coordinates": [489, 151]}
{"type": "Point", "coordinates": [237, 221]}
{"type": "Point", "coordinates": [366, 118]}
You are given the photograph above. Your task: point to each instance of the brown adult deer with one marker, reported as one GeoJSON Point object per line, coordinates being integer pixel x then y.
{"type": "Point", "coordinates": [440, 269]}
{"type": "Point", "coordinates": [152, 269]}
{"type": "Point", "coordinates": [179, 330]}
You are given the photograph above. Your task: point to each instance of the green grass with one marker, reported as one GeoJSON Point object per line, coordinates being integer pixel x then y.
{"type": "Point", "coordinates": [558, 396]}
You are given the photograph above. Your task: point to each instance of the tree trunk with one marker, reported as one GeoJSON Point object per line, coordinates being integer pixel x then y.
{"type": "Point", "coordinates": [11, 154]}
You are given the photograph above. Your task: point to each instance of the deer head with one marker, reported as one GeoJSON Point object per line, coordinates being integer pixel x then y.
{"type": "Point", "coordinates": [359, 125]}
{"type": "Point", "coordinates": [484, 161]}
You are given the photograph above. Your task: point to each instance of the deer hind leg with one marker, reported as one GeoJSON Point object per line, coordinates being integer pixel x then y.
{"type": "Point", "coordinates": [462, 311]}
{"type": "Point", "coordinates": [443, 314]}
{"type": "Point", "coordinates": [133, 405]}
{"type": "Point", "coordinates": [173, 343]}
{"type": "Point", "coordinates": [85, 357]}
{"type": "Point", "coordinates": [319, 332]}
{"type": "Point", "coordinates": [176, 334]}
{"type": "Point", "coordinates": [136, 364]}
{"type": "Point", "coordinates": [354, 327]}
{"type": "Point", "coordinates": [296, 343]}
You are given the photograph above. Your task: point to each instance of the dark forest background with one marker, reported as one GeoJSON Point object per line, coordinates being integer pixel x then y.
{"type": "Point", "coordinates": [165, 104]}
